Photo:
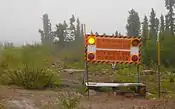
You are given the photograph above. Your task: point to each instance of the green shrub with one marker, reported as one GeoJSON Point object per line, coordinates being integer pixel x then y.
{"type": "Point", "coordinates": [30, 78]}
{"type": "Point", "coordinates": [27, 67]}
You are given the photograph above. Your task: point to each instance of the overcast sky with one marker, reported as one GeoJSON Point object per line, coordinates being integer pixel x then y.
{"type": "Point", "coordinates": [21, 19]}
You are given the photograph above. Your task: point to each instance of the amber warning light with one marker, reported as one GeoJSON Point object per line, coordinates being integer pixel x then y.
{"type": "Point", "coordinates": [91, 40]}
{"type": "Point", "coordinates": [135, 42]}
{"type": "Point", "coordinates": [134, 58]}
{"type": "Point", "coordinates": [91, 56]}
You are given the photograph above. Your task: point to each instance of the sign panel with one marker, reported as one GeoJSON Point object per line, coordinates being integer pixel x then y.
{"type": "Point", "coordinates": [110, 49]}
{"type": "Point", "coordinates": [112, 55]}
{"type": "Point", "coordinates": [113, 43]}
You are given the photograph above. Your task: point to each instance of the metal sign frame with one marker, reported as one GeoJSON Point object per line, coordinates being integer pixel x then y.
{"type": "Point", "coordinates": [94, 84]}
{"type": "Point", "coordinates": [88, 84]}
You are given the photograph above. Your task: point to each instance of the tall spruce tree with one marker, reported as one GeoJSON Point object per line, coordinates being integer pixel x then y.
{"type": "Point", "coordinates": [152, 25]}
{"type": "Point", "coordinates": [167, 24]}
{"type": "Point", "coordinates": [170, 4]}
{"type": "Point", "coordinates": [145, 30]}
{"type": "Point", "coordinates": [82, 30]}
{"type": "Point", "coordinates": [162, 24]}
{"type": "Point", "coordinates": [60, 34]}
{"type": "Point", "coordinates": [157, 25]}
{"type": "Point", "coordinates": [72, 26]}
{"type": "Point", "coordinates": [133, 23]}
{"type": "Point", "coordinates": [65, 25]}
{"type": "Point", "coordinates": [78, 31]}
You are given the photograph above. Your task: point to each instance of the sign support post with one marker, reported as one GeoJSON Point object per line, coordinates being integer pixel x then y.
{"type": "Point", "coordinates": [86, 78]}
{"type": "Point", "coordinates": [138, 73]}
{"type": "Point", "coordinates": [138, 77]}
{"type": "Point", "coordinates": [158, 58]}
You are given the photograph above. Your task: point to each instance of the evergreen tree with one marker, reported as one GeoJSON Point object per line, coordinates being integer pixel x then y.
{"type": "Point", "coordinates": [65, 25]}
{"type": "Point", "coordinates": [145, 29]}
{"type": "Point", "coordinates": [72, 20]}
{"type": "Point", "coordinates": [60, 33]}
{"type": "Point", "coordinates": [47, 35]}
{"type": "Point", "coordinates": [157, 25]}
{"type": "Point", "coordinates": [72, 35]}
{"type": "Point", "coordinates": [133, 26]}
{"type": "Point", "coordinates": [78, 32]}
{"type": "Point", "coordinates": [162, 24]}
{"type": "Point", "coordinates": [170, 4]}
{"type": "Point", "coordinates": [82, 30]}
{"type": "Point", "coordinates": [152, 24]}
{"type": "Point", "coordinates": [167, 23]}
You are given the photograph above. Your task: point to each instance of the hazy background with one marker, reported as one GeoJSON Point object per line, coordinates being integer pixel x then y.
{"type": "Point", "coordinates": [21, 19]}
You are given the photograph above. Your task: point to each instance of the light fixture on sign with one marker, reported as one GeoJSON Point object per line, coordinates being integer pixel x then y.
{"type": "Point", "coordinates": [91, 56]}
{"type": "Point", "coordinates": [91, 40]}
{"type": "Point", "coordinates": [135, 42]}
{"type": "Point", "coordinates": [134, 58]}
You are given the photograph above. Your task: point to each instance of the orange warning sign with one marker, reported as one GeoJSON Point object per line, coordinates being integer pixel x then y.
{"type": "Point", "coordinates": [107, 49]}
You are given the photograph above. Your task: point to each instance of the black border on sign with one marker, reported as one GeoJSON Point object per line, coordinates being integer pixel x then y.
{"type": "Point", "coordinates": [111, 36]}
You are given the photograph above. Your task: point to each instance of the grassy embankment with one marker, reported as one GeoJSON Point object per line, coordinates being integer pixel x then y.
{"type": "Point", "coordinates": [38, 67]}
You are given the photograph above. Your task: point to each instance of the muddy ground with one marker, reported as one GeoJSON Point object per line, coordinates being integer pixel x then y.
{"type": "Point", "coordinates": [13, 97]}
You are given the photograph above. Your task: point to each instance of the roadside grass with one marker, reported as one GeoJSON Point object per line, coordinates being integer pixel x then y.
{"type": "Point", "coordinates": [27, 67]}
{"type": "Point", "coordinates": [124, 73]}
{"type": "Point", "coordinates": [129, 74]}
{"type": "Point", "coordinates": [69, 100]}
{"type": "Point", "coordinates": [31, 67]}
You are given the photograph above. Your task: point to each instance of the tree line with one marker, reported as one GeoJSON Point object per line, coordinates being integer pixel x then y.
{"type": "Point", "coordinates": [149, 29]}
{"type": "Point", "coordinates": [151, 26]}
{"type": "Point", "coordinates": [63, 34]}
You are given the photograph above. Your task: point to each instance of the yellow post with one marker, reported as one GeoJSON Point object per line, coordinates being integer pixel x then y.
{"type": "Point", "coordinates": [158, 63]}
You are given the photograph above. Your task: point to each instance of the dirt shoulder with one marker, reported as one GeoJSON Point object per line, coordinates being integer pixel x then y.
{"type": "Point", "coordinates": [15, 98]}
